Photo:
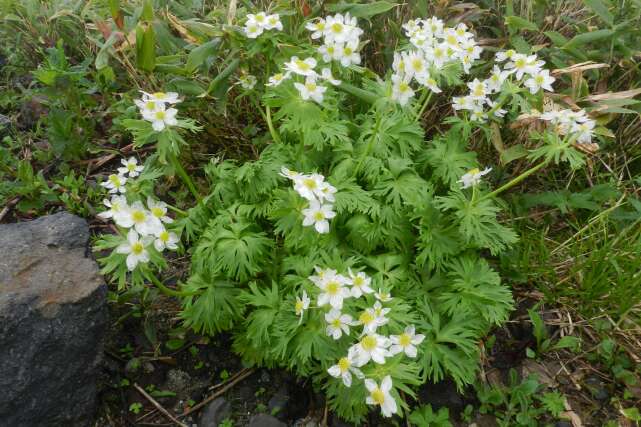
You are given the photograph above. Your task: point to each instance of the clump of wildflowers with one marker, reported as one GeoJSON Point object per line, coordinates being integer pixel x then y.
{"type": "Point", "coordinates": [153, 107]}
{"type": "Point", "coordinates": [434, 47]}
{"type": "Point", "coordinates": [320, 195]}
{"type": "Point", "coordinates": [341, 293]}
{"type": "Point", "coordinates": [341, 38]}
{"type": "Point", "coordinates": [568, 122]}
{"type": "Point", "coordinates": [258, 23]}
{"type": "Point", "coordinates": [145, 224]}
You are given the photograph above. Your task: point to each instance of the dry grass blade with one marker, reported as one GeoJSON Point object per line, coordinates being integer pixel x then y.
{"type": "Point", "coordinates": [158, 406]}
{"type": "Point", "coordinates": [626, 94]}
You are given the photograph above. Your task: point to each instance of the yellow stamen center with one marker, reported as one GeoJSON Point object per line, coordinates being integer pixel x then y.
{"type": "Point", "coordinates": [137, 248]}
{"type": "Point", "coordinates": [369, 343]}
{"type": "Point", "coordinates": [115, 180]}
{"type": "Point", "coordinates": [138, 216]}
{"type": "Point", "coordinates": [157, 212]}
{"type": "Point", "coordinates": [366, 318]}
{"type": "Point", "coordinates": [333, 288]}
{"type": "Point", "coordinates": [160, 115]}
{"type": "Point", "coordinates": [404, 340]}
{"type": "Point", "coordinates": [337, 27]}
{"type": "Point", "coordinates": [378, 396]}
{"type": "Point", "coordinates": [164, 236]}
{"type": "Point", "coordinates": [344, 364]}
{"type": "Point", "coordinates": [304, 66]}
{"type": "Point", "coordinates": [159, 95]}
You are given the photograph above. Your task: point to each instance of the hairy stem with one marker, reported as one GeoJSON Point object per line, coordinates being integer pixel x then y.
{"type": "Point", "coordinates": [184, 176]}
{"type": "Point", "coordinates": [516, 180]}
{"type": "Point", "coordinates": [164, 289]}
{"type": "Point", "coordinates": [270, 125]}
{"type": "Point", "coordinates": [425, 100]}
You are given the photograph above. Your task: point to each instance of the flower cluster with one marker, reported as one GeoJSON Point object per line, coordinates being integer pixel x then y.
{"type": "Point", "coordinates": [261, 22]}
{"type": "Point", "coordinates": [568, 122]}
{"type": "Point", "coordinates": [334, 291]}
{"type": "Point", "coordinates": [145, 223]}
{"type": "Point", "coordinates": [153, 107]}
{"type": "Point", "coordinates": [341, 38]}
{"type": "Point", "coordinates": [526, 69]}
{"type": "Point", "coordinates": [434, 47]}
{"type": "Point", "coordinates": [306, 68]}
{"type": "Point", "coordinates": [318, 192]}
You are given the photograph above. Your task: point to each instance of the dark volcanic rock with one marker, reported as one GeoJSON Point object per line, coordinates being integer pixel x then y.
{"type": "Point", "coordinates": [264, 420]}
{"type": "Point", "coordinates": [215, 413]}
{"type": "Point", "coordinates": [53, 316]}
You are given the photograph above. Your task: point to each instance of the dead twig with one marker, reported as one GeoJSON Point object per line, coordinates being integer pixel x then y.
{"type": "Point", "coordinates": [158, 406]}
{"type": "Point", "coordinates": [218, 393]}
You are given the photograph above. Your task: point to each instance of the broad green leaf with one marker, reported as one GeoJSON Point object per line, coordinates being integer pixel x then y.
{"type": "Point", "coordinates": [516, 24]}
{"type": "Point", "coordinates": [601, 9]}
{"type": "Point", "coordinates": [556, 38]}
{"type": "Point", "coordinates": [363, 10]}
{"type": "Point", "coordinates": [199, 55]}
{"type": "Point", "coordinates": [585, 38]}
{"type": "Point", "coordinates": [145, 47]}
{"type": "Point", "coordinates": [568, 341]}
{"type": "Point", "coordinates": [513, 153]}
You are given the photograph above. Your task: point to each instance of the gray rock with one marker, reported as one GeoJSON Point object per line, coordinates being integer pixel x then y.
{"type": "Point", "coordinates": [53, 316]}
{"type": "Point", "coordinates": [264, 420]}
{"type": "Point", "coordinates": [214, 413]}
{"type": "Point", "coordinates": [278, 401]}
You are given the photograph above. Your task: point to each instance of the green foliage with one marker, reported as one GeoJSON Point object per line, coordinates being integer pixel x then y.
{"type": "Point", "coordinates": [426, 417]}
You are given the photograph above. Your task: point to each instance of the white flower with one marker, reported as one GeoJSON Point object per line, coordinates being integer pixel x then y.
{"type": "Point", "coordinates": [478, 91]}
{"type": "Point", "coordinates": [398, 66]}
{"type": "Point", "coordinates": [381, 396]}
{"type": "Point", "coordinates": [161, 118]}
{"type": "Point", "coordinates": [496, 79]}
{"type": "Point", "coordinates": [317, 27]}
{"type": "Point", "coordinates": [337, 323]}
{"type": "Point", "coordinates": [309, 186]}
{"type": "Point", "coordinates": [303, 67]}
{"type": "Point", "coordinates": [473, 177]}
{"type": "Point", "coordinates": [159, 210]}
{"type": "Point", "coordinates": [369, 321]}
{"type": "Point", "coordinates": [247, 81]}
{"type": "Point", "coordinates": [326, 192]}
{"type": "Point", "coordinates": [360, 283]}
{"type": "Point", "coordinates": [141, 219]}
{"type": "Point", "coordinates": [432, 85]}
{"type": "Point", "coordinates": [301, 305]}
{"type": "Point", "coordinates": [160, 97]}
{"type": "Point", "coordinates": [504, 55]}
{"type": "Point", "coordinates": [293, 175]}
{"type": "Point", "coordinates": [148, 105]}
{"type": "Point", "coordinates": [277, 79]}
{"type": "Point", "coordinates": [329, 52]}
{"type": "Point", "coordinates": [273, 22]}
{"type": "Point", "coordinates": [326, 74]}
{"type": "Point", "coordinates": [478, 115]}
{"type": "Point", "coordinates": [463, 103]}
{"type": "Point", "coordinates": [131, 167]}
{"type": "Point", "coordinates": [117, 207]}
{"type": "Point", "coordinates": [383, 296]}
{"type": "Point", "coordinates": [416, 67]}
{"type": "Point", "coordinates": [259, 19]}
{"type": "Point", "coordinates": [166, 240]}
{"type": "Point", "coordinates": [318, 214]}
{"type": "Point", "coordinates": [321, 274]}
{"type": "Point", "coordinates": [335, 29]}
{"type": "Point", "coordinates": [310, 90]}
{"type": "Point", "coordinates": [406, 342]}
{"type": "Point", "coordinates": [371, 347]}
{"type": "Point", "coordinates": [253, 30]}
{"type": "Point", "coordinates": [541, 79]}
{"type": "Point", "coordinates": [333, 291]}
{"type": "Point", "coordinates": [115, 183]}
{"type": "Point", "coordinates": [401, 90]}
{"type": "Point", "coordinates": [497, 111]}
{"type": "Point", "coordinates": [135, 248]}
{"type": "Point", "coordinates": [380, 313]}
{"type": "Point", "coordinates": [584, 130]}
{"type": "Point", "coordinates": [344, 369]}
{"type": "Point", "coordinates": [522, 64]}
{"type": "Point", "coordinates": [347, 54]}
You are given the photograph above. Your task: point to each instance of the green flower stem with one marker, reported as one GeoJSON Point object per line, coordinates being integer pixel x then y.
{"type": "Point", "coordinates": [370, 143]}
{"type": "Point", "coordinates": [184, 176]}
{"type": "Point", "coordinates": [223, 75]}
{"type": "Point", "coordinates": [516, 180]}
{"type": "Point", "coordinates": [164, 289]}
{"type": "Point", "coordinates": [270, 125]}
{"type": "Point", "coordinates": [425, 100]}
{"type": "Point", "coordinates": [363, 94]}
{"type": "Point", "coordinates": [177, 210]}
